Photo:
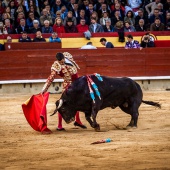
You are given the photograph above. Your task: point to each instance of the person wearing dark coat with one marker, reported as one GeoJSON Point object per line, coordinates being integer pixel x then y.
{"type": "Point", "coordinates": [35, 27]}
{"type": "Point", "coordinates": [70, 27]}
{"type": "Point", "coordinates": [24, 37]}
{"type": "Point", "coordinates": [22, 27]}
{"type": "Point", "coordinates": [106, 43]}
{"type": "Point", "coordinates": [141, 26]}
{"type": "Point", "coordinates": [146, 42]}
{"type": "Point", "coordinates": [39, 37]}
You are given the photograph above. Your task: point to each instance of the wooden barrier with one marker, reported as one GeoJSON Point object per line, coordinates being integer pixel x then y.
{"type": "Point", "coordinates": [36, 64]}
{"type": "Point", "coordinates": [162, 43]}
{"type": "Point", "coordinates": [32, 45]}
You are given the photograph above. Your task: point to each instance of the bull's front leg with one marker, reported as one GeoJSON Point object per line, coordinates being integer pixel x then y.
{"type": "Point", "coordinates": [94, 114]}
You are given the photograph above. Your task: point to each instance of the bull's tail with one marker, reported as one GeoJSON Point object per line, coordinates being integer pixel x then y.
{"type": "Point", "coordinates": [152, 103]}
{"type": "Point", "coordinates": [55, 111]}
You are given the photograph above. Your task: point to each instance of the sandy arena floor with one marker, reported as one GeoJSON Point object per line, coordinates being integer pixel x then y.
{"type": "Point", "coordinates": [147, 147]}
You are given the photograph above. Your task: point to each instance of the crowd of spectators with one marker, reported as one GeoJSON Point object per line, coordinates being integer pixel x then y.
{"type": "Point", "coordinates": [72, 16]}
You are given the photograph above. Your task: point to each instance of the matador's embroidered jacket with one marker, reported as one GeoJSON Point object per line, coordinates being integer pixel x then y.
{"type": "Point", "coordinates": [68, 71]}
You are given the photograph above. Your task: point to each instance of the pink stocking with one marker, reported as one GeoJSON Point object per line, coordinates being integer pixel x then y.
{"type": "Point", "coordinates": [60, 121]}
{"type": "Point", "coordinates": [78, 118]}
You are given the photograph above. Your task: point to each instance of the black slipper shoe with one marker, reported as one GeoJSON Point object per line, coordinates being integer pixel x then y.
{"type": "Point", "coordinates": [61, 129]}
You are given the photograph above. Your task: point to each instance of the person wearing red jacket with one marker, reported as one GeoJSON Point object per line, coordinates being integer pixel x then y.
{"type": "Point", "coordinates": [67, 68]}
{"type": "Point", "coordinates": [82, 27]}
{"type": "Point", "coordinates": [58, 26]}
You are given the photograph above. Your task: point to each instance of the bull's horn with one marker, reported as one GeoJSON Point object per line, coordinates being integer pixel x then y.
{"type": "Point", "coordinates": [60, 103]}
{"type": "Point", "coordinates": [55, 111]}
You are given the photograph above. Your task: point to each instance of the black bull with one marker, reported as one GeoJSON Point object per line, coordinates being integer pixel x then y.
{"type": "Point", "coordinates": [122, 92]}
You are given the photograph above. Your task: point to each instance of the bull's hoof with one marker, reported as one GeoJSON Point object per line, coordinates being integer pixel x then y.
{"type": "Point", "coordinates": [131, 127]}
{"type": "Point", "coordinates": [80, 125]}
{"type": "Point", "coordinates": [97, 129]}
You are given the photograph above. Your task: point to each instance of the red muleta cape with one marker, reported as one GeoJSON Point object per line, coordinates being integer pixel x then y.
{"type": "Point", "coordinates": [36, 113]}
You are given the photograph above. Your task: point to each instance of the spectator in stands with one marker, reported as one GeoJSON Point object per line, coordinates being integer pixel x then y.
{"type": "Point", "coordinates": [34, 11]}
{"type": "Point", "coordinates": [166, 6]}
{"type": "Point", "coordinates": [44, 17]}
{"type": "Point", "coordinates": [167, 20]}
{"type": "Point", "coordinates": [8, 29]}
{"type": "Point", "coordinates": [94, 27]}
{"type": "Point", "coordinates": [44, 3]}
{"type": "Point", "coordinates": [35, 27]}
{"type": "Point", "coordinates": [22, 27]}
{"type": "Point", "coordinates": [47, 28]}
{"type": "Point", "coordinates": [135, 5]}
{"type": "Point", "coordinates": [141, 26]}
{"type": "Point", "coordinates": [19, 17]}
{"type": "Point", "coordinates": [128, 27]}
{"type": "Point", "coordinates": [82, 16]}
{"type": "Point", "coordinates": [2, 9]}
{"type": "Point", "coordinates": [98, 5]}
{"type": "Point", "coordinates": [82, 27]}
{"type": "Point", "coordinates": [156, 14]}
{"type": "Point", "coordinates": [104, 18]}
{"type": "Point", "coordinates": [8, 10]}
{"type": "Point", "coordinates": [50, 13]}
{"type": "Point", "coordinates": [157, 25]}
{"type": "Point", "coordinates": [95, 15]}
{"type": "Point", "coordinates": [8, 39]}
{"type": "Point", "coordinates": [5, 3]}
{"type": "Point", "coordinates": [104, 9]}
{"type": "Point", "coordinates": [130, 18]}
{"type": "Point", "coordinates": [36, 4]}
{"type": "Point", "coordinates": [162, 12]}
{"type": "Point", "coordinates": [71, 5]}
{"type": "Point", "coordinates": [108, 27]}
{"type": "Point", "coordinates": [5, 16]}
{"type": "Point", "coordinates": [146, 42]}
{"type": "Point", "coordinates": [168, 26]}
{"type": "Point", "coordinates": [116, 18]}
{"type": "Point", "coordinates": [151, 6]}
{"type": "Point", "coordinates": [30, 19]}
{"type": "Point", "coordinates": [1, 28]}
{"type": "Point", "coordinates": [57, 6]}
{"type": "Point", "coordinates": [58, 26]}
{"type": "Point", "coordinates": [21, 10]}
{"type": "Point", "coordinates": [118, 8]}
{"type": "Point", "coordinates": [141, 15]}
{"type": "Point", "coordinates": [84, 5]}
{"type": "Point", "coordinates": [89, 45]}
{"type": "Point", "coordinates": [63, 12]}
{"type": "Point", "coordinates": [75, 10]}
{"type": "Point", "coordinates": [70, 16]}
{"type": "Point", "coordinates": [39, 37]}
{"type": "Point", "coordinates": [90, 10]}
{"type": "Point", "coordinates": [131, 43]}
{"type": "Point", "coordinates": [70, 27]}
{"type": "Point", "coordinates": [12, 9]}
{"type": "Point", "coordinates": [24, 37]}
{"type": "Point", "coordinates": [54, 38]}
{"type": "Point", "coordinates": [107, 44]}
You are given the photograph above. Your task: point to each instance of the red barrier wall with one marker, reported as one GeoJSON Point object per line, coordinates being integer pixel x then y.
{"type": "Point", "coordinates": [35, 64]}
